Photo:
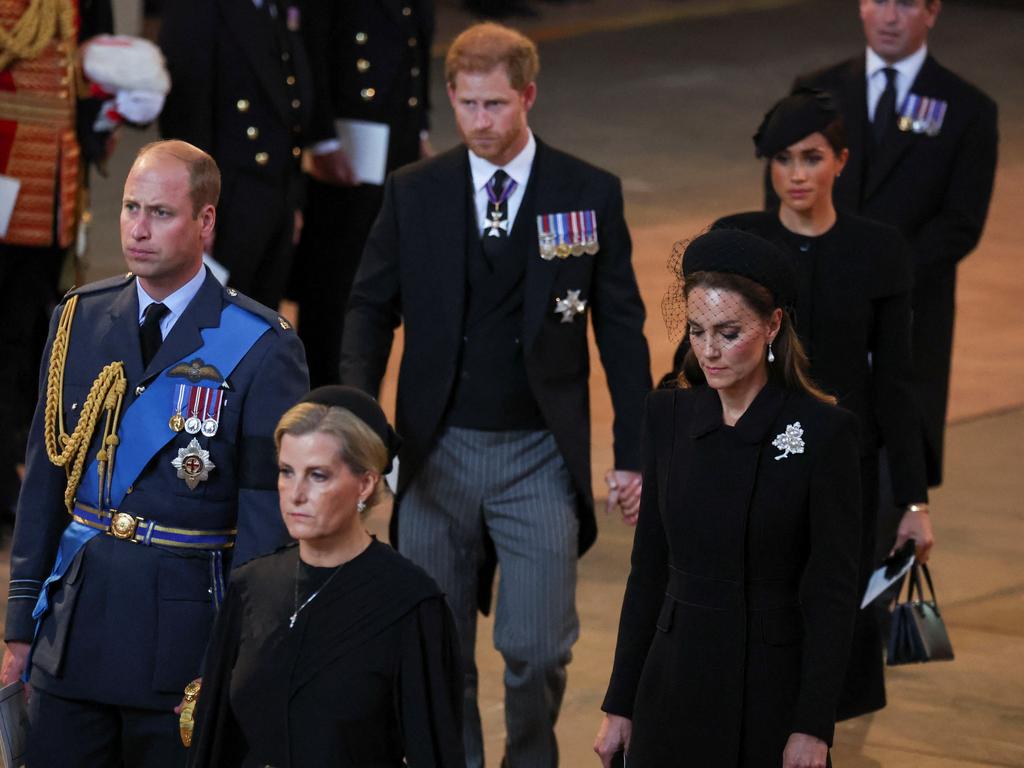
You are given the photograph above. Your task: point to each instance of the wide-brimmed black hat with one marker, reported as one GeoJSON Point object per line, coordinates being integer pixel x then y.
{"type": "Point", "coordinates": [363, 407]}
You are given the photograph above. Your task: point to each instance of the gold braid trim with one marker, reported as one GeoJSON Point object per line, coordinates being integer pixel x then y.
{"type": "Point", "coordinates": [105, 398]}
{"type": "Point", "coordinates": [41, 22]}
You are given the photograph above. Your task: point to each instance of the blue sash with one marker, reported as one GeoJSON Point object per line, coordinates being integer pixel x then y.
{"type": "Point", "coordinates": [144, 432]}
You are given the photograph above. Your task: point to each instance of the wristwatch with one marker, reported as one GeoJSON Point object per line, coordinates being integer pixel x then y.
{"type": "Point", "coordinates": [188, 705]}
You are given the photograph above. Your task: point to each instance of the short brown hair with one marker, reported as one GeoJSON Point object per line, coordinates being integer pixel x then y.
{"type": "Point", "coordinates": [359, 446]}
{"type": "Point", "coordinates": [203, 173]}
{"type": "Point", "coordinates": [484, 47]}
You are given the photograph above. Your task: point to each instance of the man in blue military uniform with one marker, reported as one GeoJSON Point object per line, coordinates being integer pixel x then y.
{"type": "Point", "coordinates": [150, 469]}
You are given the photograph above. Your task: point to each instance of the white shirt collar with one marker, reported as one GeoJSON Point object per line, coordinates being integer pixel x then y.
{"type": "Point", "coordinates": [518, 168]}
{"type": "Point", "coordinates": [907, 68]}
{"type": "Point", "coordinates": [176, 303]}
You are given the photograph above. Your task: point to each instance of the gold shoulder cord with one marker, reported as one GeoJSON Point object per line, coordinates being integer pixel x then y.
{"type": "Point", "coordinates": [105, 396]}
{"type": "Point", "coordinates": [41, 22]}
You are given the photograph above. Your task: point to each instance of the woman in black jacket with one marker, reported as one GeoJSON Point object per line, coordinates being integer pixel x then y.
{"type": "Point", "coordinates": [740, 603]}
{"type": "Point", "coordinates": [853, 318]}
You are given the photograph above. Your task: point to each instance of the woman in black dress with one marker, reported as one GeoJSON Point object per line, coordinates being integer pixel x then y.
{"type": "Point", "coordinates": [338, 651]}
{"type": "Point", "coordinates": [853, 318]}
{"type": "Point", "coordinates": [739, 607]}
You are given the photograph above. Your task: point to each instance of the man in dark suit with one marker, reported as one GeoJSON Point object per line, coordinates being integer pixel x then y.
{"type": "Point", "coordinates": [242, 90]}
{"type": "Point", "coordinates": [371, 60]}
{"type": "Point", "coordinates": [492, 255]}
{"type": "Point", "coordinates": [922, 158]}
{"type": "Point", "coordinates": [150, 468]}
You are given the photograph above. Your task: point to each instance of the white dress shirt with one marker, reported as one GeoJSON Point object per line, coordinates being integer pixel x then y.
{"type": "Point", "coordinates": [906, 73]}
{"type": "Point", "coordinates": [176, 303]}
{"type": "Point", "coordinates": [518, 170]}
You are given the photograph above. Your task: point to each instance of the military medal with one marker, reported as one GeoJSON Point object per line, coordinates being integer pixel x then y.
{"type": "Point", "coordinates": [567, 234]}
{"type": "Point", "coordinates": [922, 114]}
{"type": "Point", "coordinates": [193, 464]}
{"type": "Point", "coordinates": [177, 421]}
{"type": "Point", "coordinates": [211, 420]}
{"type": "Point", "coordinates": [193, 423]}
{"type": "Point", "coordinates": [570, 306]}
{"type": "Point", "coordinates": [497, 223]}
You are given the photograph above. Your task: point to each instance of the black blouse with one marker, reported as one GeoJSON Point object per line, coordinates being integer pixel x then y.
{"type": "Point", "coordinates": [369, 674]}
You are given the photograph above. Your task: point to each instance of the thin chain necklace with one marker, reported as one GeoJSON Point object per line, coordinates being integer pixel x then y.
{"type": "Point", "coordinates": [298, 608]}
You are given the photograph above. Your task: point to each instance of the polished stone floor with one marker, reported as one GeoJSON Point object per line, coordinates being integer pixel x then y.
{"type": "Point", "coordinates": [666, 93]}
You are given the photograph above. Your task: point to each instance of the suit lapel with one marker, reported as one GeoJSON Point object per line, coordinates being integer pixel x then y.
{"type": "Point", "coordinates": [446, 266]}
{"type": "Point", "coordinates": [251, 28]}
{"type": "Point", "coordinates": [119, 331]}
{"type": "Point", "coordinates": [550, 194]}
{"type": "Point", "coordinates": [855, 113]}
{"type": "Point", "coordinates": [898, 143]}
{"type": "Point", "coordinates": [202, 312]}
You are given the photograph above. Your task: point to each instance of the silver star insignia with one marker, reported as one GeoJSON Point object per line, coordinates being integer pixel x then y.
{"type": "Point", "coordinates": [790, 441]}
{"type": "Point", "coordinates": [193, 464]}
{"type": "Point", "coordinates": [570, 306]}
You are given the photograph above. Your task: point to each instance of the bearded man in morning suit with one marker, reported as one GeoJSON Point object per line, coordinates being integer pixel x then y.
{"type": "Point", "coordinates": [492, 255]}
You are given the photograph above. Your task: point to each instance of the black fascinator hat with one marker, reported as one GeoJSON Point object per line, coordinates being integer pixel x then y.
{"type": "Point", "coordinates": [805, 111]}
{"type": "Point", "coordinates": [363, 407]}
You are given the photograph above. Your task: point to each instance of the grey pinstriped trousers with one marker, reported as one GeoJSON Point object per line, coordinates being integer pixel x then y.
{"type": "Point", "coordinates": [514, 485]}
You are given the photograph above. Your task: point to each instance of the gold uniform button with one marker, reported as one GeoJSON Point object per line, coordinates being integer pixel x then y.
{"type": "Point", "coordinates": [130, 489]}
{"type": "Point", "coordinates": [415, 71]}
{"type": "Point", "coordinates": [407, 11]}
{"type": "Point", "coordinates": [290, 79]}
{"type": "Point", "coordinates": [242, 105]}
{"type": "Point", "coordinates": [296, 103]}
{"type": "Point", "coordinates": [362, 65]}
{"type": "Point", "coordinates": [252, 132]}
{"type": "Point", "coordinates": [296, 151]}
{"type": "Point", "coordinates": [361, 38]}
{"type": "Point", "coordinates": [262, 158]}
{"type": "Point", "coordinates": [368, 94]}
{"type": "Point", "coordinates": [413, 101]}
{"type": "Point", "coordinates": [413, 42]}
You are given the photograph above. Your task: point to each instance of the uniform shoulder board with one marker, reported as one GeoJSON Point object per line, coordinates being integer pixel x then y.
{"type": "Point", "coordinates": [273, 319]}
{"type": "Point", "coordinates": [118, 281]}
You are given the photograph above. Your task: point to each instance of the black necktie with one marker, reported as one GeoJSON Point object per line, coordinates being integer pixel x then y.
{"type": "Point", "coordinates": [885, 110]}
{"type": "Point", "coordinates": [149, 331]}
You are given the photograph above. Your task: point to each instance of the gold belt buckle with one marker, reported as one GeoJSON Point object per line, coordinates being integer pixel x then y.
{"type": "Point", "coordinates": [123, 525]}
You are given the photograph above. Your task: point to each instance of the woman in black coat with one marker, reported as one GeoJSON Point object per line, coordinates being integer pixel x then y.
{"type": "Point", "coordinates": [853, 318]}
{"type": "Point", "coordinates": [740, 603]}
{"type": "Point", "coordinates": [338, 651]}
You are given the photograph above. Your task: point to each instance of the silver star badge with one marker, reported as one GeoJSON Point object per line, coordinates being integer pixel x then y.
{"type": "Point", "coordinates": [193, 464]}
{"type": "Point", "coordinates": [790, 441]}
{"type": "Point", "coordinates": [570, 306]}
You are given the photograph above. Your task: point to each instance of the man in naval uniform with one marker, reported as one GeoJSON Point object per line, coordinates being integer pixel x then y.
{"type": "Point", "coordinates": [242, 89]}
{"type": "Point", "coordinates": [150, 470]}
{"type": "Point", "coordinates": [493, 256]}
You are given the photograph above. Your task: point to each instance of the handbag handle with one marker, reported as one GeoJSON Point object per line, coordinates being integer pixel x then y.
{"type": "Point", "coordinates": [914, 580]}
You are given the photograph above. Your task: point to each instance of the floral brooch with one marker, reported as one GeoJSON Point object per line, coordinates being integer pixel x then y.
{"type": "Point", "coordinates": [790, 441]}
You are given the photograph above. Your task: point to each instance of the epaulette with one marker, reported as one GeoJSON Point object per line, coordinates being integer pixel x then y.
{"type": "Point", "coordinates": [118, 281]}
{"type": "Point", "coordinates": [273, 319]}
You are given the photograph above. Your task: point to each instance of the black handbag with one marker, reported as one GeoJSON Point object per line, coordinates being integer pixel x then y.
{"type": "Point", "coordinates": [918, 633]}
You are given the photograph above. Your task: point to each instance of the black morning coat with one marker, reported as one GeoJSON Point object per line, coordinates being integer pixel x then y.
{"type": "Point", "coordinates": [740, 603]}
{"type": "Point", "coordinates": [853, 317]}
{"type": "Point", "coordinates": [936, 191]}
{"type": "Point", "coordinates": [368, 676]}
{"type": "Point", "coordinates": [413, 272]}
{"type": "Point", "coordinates": [129, 622]}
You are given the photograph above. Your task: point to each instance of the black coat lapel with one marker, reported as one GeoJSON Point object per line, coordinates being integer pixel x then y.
{"type": "Point", "coordinates": [202, 312]}
{"type": "Point", "coordinates": [551, 193]}
{"type": "Point", "coordinates": [855, 114]}
{"type": "Point", "coordinates": [119, 332]}
{"type": "Point", "coordinates": [898, 143]}
{"type": "Point", "coordinates": [444, 264]}
{"type": "Point", "coordinates": [251, 27]}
